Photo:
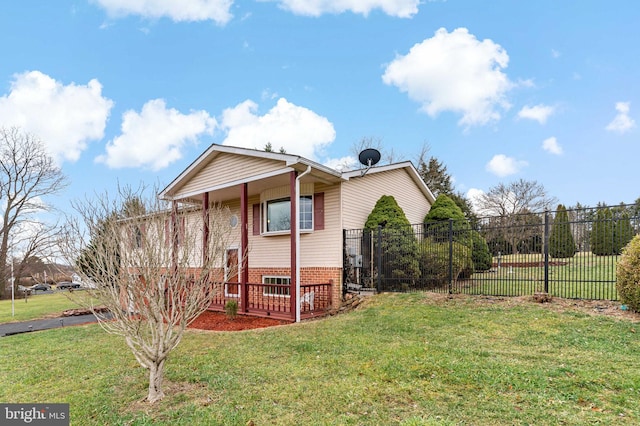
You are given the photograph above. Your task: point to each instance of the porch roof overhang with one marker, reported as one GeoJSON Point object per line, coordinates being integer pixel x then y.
{"type": "Point", "coordinates": [227, 190]}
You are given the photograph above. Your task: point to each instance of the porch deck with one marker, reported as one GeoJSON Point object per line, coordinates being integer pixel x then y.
{"type": "Point", "coordinates": [274, 300]}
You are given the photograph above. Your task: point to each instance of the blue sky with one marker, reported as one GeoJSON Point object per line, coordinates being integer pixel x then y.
{"type": "Point", "coordinates": [130, 91]}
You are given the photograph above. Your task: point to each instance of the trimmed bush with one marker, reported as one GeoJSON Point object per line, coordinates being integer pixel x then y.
{"type": "Point", "coordinates": [444, 208]}
{"type": "Point", "coordinates": [436, 224]}
{"type": "Point", "coordinates": [628, 275]}
{"type": "Point", "coordinates": [434, 262]}
{"type": "Point", "coordinates": [386, 213]}
{"type": "Point", "coordinates": [561, 242]}
{"type": "Point", "coordinates": [399, 247]}
{"type": "Point", "coordinates": [481, 256]}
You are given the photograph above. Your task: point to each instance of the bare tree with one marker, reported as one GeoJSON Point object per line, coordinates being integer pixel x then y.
{"type": "Point", "coordinates": [38, 241]}
{"type": "Point", "coordinates": [151, 271]}
{"type": "Point", "coordinates": [388, 155]}
{"type": "Point", "coordinates": [517, 197]}
{"type": "Point", "coordinates": [28, 175]}
{"type": "Point", "coordinates": [510, 208]}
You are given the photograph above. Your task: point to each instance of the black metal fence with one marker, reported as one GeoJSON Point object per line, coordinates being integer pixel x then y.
{"type": "Point", "coordinates": [570, 254]}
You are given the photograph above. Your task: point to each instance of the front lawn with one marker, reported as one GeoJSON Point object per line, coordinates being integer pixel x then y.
{"type": "Point", "coordinates": [36, 306]}
{"type": "Point", "coordinates": [408, 359]}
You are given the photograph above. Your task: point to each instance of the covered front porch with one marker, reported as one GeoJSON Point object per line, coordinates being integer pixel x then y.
{"type": "Point", "coordinates": [264, 269]}
{"type": "Point", "coordinates": [274, 300]}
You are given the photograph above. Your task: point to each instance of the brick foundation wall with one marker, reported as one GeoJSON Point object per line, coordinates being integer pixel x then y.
{"type": "Point", "coordinates": [313, 275]}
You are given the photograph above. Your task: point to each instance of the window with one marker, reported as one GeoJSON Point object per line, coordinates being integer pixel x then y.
{"type": "Point", "coordinates": [278, 214]}
{"type": "Point", "coordinates": [280, 286]}
{"type": "Point", "coordinates": [136, 234]}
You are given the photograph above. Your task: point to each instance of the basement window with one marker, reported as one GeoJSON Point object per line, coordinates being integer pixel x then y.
{"type": "Point", "coordinates": [280, 287]}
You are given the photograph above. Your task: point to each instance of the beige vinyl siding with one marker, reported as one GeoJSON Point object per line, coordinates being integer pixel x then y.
{"type": "Point", "coordinates": [227, 168]}
{"type": "Point", "coordinates": [194, 232]}
{"type": "Point", "coordinates": [360, 195]}
{"type": "Point", "coordinates": [317, 248]}
{"type": "Point", "coordinates": [283, 192]}
{"type": "Point", "coordinates": [267, 251]}
{"type": "Point", "coordinates": [324, 248]}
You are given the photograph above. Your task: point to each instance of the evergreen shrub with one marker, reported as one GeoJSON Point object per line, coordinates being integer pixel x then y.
{"type": "Point", "coordinates": [561, 242]}
{"type": "Point", "coordinates": [628, 275]}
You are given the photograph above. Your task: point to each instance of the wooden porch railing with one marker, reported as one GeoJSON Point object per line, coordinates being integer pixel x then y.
{"type": "Point", "coordinates": [274, 300]}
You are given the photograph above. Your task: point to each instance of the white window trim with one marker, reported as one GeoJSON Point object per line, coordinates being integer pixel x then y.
{"type": "Point", "coordinates": [264, 214]}
{"type": "Point", "coordinates": [264, 293]}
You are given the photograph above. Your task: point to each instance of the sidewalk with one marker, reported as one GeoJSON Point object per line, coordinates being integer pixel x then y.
{"type": "Point", "coordinates": [11, 328]}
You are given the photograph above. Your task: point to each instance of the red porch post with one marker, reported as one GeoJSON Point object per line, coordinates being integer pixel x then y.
{"type": "Point", "coordinates": [174, 236]}
{"type": "Point", "coordinates": [205, 229]}
{"type": "Point", "coordinates": [244, 244]}
{"type": "Point", "coordinates": [294, 227]}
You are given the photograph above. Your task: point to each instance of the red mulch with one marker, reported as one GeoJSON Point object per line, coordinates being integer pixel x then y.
{"type": "Point", "coordinates": [530, 264]}
{"type": "Point", "coordinates": [219, 321]}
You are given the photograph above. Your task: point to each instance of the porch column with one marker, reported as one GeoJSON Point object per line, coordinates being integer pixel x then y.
{"type": "Point", "coordinates": [243, 253]}
{"type": "Point", "coordinates": [294, 227]}
{"type": "Point", "coordinates": [174, 236]}
{"type": "Point", "coordinates": [205, 229]}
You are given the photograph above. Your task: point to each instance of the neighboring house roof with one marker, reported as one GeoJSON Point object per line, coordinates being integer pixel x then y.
{"type": "Point", "coordinates": [289, 163]}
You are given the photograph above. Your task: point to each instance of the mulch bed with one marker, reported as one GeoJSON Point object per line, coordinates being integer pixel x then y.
{"type": "Point", "coordinates": [219, 321]}
{"type": "Point", "coordinates": [539, 264]}
{"type": "Point", "coordinates": [591, 307]}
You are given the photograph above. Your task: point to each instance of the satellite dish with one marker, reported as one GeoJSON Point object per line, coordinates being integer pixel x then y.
{"type": "Point", "coordinates": [369, 157]}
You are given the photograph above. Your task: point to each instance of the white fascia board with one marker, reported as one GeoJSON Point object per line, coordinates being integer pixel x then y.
{"type": "Point", "coordinates": [233, 183]}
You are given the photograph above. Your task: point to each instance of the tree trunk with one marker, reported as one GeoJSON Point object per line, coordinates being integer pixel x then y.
{"type": "Point", "coordinates": [156, 378]}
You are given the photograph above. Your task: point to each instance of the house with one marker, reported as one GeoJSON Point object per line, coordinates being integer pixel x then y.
{"type": "Point", "coordinates": [279, 261]}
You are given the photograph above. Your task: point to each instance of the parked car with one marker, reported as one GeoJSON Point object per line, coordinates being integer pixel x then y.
{"type": "Point", "coordinates": [67, 285]}
{"type": "Point", "coordinates": [40, 286]}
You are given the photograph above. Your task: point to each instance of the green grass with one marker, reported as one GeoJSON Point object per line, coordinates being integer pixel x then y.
{"type": "Point", "coordinates": [584, 276]}
{"type": "Point", "coordinates": [35, 306]}
{"type": "Point", "coordinates": [404, 359]}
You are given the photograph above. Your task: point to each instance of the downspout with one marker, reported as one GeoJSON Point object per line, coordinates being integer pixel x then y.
{"type": "Point", "coordinates": [297, 219]}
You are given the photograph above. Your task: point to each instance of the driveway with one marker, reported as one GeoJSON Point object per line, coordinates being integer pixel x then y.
{"type": "Point", "coordinates": [11, 328]}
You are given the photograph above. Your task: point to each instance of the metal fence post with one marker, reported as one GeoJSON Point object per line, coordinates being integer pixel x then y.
{"type": "Point", "coordinates": [450, 256]}
{"type": "Point", "coordinates": [546, 251]}
{"type": "Point", "coordinates": [345, 262]}
{"type": "Point", "coordinates": [379, 253]}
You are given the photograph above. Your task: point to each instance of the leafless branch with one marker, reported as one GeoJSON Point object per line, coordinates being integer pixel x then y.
{"type": "Point", "coordinates": [145, 263]}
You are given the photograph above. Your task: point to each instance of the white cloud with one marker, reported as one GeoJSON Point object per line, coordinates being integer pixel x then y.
{"type": "Point", "coordinates": [65, 118]}
{"type": "Point", "coordinates": [622, 123]}
{"type": "Point", "coordinates": [297, 129]}
{"type": "Point", "coordinates": [551, 145]}
{"type": "Point", "coordinates": [539, 113]}
{"type": "Point", "coordinates": [454, 72]}
{"type": "Point", "coordinates": [183, 10]}
{"type": "Point", "coordinates": [474, 195]}
{"type": "Point", "coordinates": [555, 54]}
{"type": "Point", "coordinates": [342, 164]}
{"type": "Point", "coordinates": [155, 137]}
{"type": "Point", "coordinates": [398, 8]}
{"type": "Point", "coordinates": [501, 165]}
